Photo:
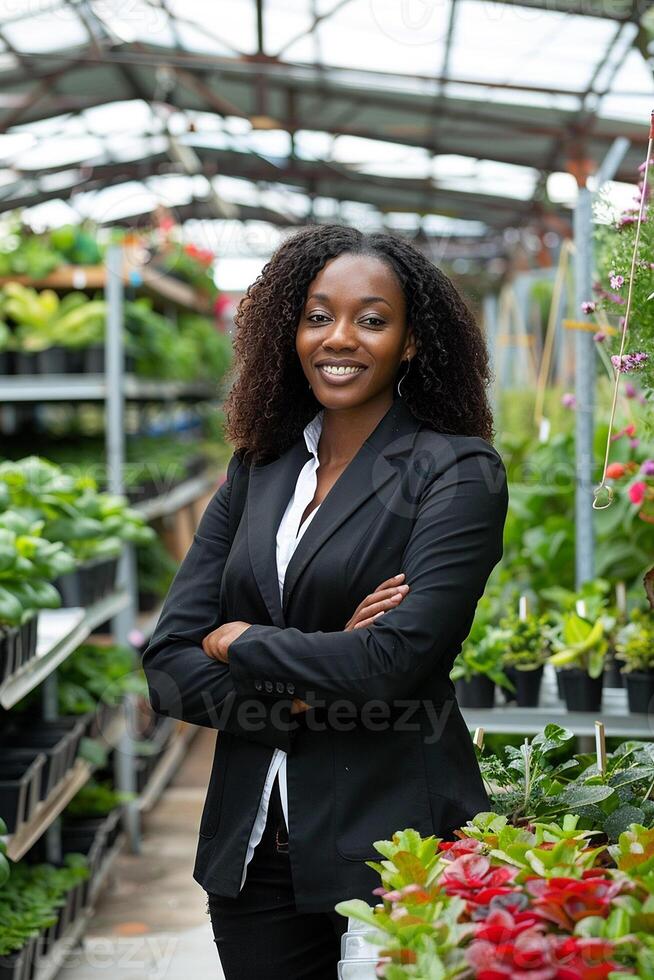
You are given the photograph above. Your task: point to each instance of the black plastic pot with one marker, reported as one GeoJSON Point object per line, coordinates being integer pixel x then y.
{"type": "Point", "coordinates": [478, 692]}
{"type": "Point", "coordinates": [20, 786]}
{"type": "Point", "coordinates": [19, 965]}
{"type": "Point", "coordinates": [58, 740]}
{"type": "Point", "coordinates": [612, 673]}
{"type": "Point", "coordinates": [50, 361]}
{"type": "Point", "coordinates": [88, 583]}
{"type": "Point", "coordinates": [93, 360]}
{"type": "Point", "coordinates": [581, 692]}
{"type": "Point", "coordinates": [527, 685]}
{"type": "Point", "coordinates": [8, 643]}
{"type": "Point", "coordinates": [24, 643]}
{"type": "Point", "coordinates": [640, 691]}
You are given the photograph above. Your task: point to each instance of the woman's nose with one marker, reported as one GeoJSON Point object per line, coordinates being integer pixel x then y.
{"type": "Point", "coordinates": [342, 334]}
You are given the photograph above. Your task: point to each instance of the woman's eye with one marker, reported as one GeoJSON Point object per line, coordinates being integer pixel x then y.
{"type": "Point", "coordinates": [311, 316]}
{"type": "Point", "coordinates": [377, 323]}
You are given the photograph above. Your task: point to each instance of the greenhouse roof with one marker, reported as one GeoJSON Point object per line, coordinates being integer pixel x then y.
{"type": "Point", "coordinates": [451, 117]}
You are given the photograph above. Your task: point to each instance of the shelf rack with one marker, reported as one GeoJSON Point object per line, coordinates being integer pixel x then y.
{"type": "Point", "coordinates": [49, 809]}
{"type": "Point", "coordinates": [96, 387]}
{"type": "Point", "coordinates": [152, 280]}
{"type": "Point", "coordinates": [61, 631]}
{"type": "Point", "coordinates": [511, 720]}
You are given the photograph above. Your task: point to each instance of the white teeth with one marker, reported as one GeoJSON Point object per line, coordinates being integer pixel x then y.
{"type": "Point", "coordinates": [331, 369]}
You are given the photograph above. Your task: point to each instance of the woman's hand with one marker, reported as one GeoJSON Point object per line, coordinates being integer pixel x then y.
{"type": "Point", "coordinates": [216, 643]}
{"type": "Point", "coordinates": [388, 595]}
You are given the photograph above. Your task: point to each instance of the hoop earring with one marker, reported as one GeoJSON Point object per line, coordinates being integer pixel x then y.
{"type": "Point", "coordinates": [399, 384]}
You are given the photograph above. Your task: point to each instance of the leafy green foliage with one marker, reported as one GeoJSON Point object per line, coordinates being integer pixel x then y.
{"type": "Point", "coordinates": [69, 509]}
{"type": "Point", "coordinates": [634, 642]}
{"type": "Point", "coordinates": [543, 779]}
{"type": "Point", "coordinates": [31, 896]}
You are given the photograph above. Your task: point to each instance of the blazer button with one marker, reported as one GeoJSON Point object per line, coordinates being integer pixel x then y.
{"type": "Point", "coordinates": [269, 686]}
{"type": "Point", "coordinates": [258, 685]}
{"type": "Point", "coordinates": [279, 687]}
{"type": "Point", "coordinates": [290, 688]}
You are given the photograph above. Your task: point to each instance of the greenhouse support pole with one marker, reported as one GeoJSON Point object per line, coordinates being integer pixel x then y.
{"type": "Point", "coordinates": [584, 392]}
{"type": "Point", "coordinates": [490, 325]}
{"type": "Point", "coordinates": [124, 756]}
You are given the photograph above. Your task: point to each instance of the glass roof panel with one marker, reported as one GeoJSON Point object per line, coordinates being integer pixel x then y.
{"type": "Point", "coordinates": [57, 153]}
{"type": "Point", "coordinates": [506, 43]}
{"type": "Point", "coordinates": [632, 91]}
{"type": "Point", "coordinates": [18, 10]}
{"type": "Point", "coordinates": [383, 35]}
{"type": "Point", "coordinates": [283, 22]}
{"type": "Point", "coordinates": [226, 27]}
{"type": "Point", "coordinates": [56, 30]}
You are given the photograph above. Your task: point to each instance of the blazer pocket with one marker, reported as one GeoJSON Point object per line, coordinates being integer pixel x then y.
{"type": "Point", "coordinates": [380, 788]}
{"type": "Point", "coordinates": [214, 796]}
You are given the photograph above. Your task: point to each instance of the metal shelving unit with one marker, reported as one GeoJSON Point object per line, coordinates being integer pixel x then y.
{"type": "Point", "coordinates": [61, 631]}
{"type": "Point", "coordinates": [180, 496]}
{"type": "Point", "coordinates": [95, 387]}
{"type": "Point", "coordinates": [49, 809]}
{"type": "Point", "coordinates": [509, 719]}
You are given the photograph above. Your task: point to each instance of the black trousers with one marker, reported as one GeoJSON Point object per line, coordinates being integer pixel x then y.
{"type": "Point", "coordinates": [259, 934]}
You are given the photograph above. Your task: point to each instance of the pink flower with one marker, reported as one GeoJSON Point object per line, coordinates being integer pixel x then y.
{"type": "Point", "coordinates": [473, 878]}
{"type": "Point", "coordinates": [629, 362]}
{"type": "Point", "coordinates": [599, 336]}
{"type": "Point", "coordinates": [616, 281]}
{"type": "Point", "coordinates": [634, 443]}
{"type": "Point", "coordinates": [457, 848]}
{"type": "Point", "coordinates": [647, 467]}
{"type": "Point", "coordinates": [637, 492]}
{"type": "Point", "coordinates": [629, 390]}
{"type": "Point", "coordinates": [588, 306]}
{"type": "Point", "coordinates": [568, 400]}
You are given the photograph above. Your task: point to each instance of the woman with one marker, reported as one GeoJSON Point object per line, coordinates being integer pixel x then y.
{"type": "Point", "coordinates": [319, 642]}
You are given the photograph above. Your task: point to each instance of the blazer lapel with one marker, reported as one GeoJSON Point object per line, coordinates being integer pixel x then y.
{"type": "Point", "coordinates": [269, 491]}
{"type": "Point", "coordinates": [369, 472]}
{"type": "Point", "coordinates": [271, 486]}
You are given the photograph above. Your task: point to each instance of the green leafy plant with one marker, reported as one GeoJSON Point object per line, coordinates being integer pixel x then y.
{"type": "Point", "coordinates": [31, 897]}
{"type": "Point", "coordinates": [581, 645]}
{"type": "Point", "coordinates": [482, 653]}
{"type": "Point", "coordinates": [43, 319]}
{"type": "Point", "coordinates": [28, 563]}
{"type": "Point", "coordinates": [528, 643]}
{"type": "Point", "coordinates": [70, 509]}
{"type": "Point", "coordinates": [97, 799]}
{"type": "Point", "coordinates": [543, 778]}
{"type": "Point", "coordinates": [634, 643]}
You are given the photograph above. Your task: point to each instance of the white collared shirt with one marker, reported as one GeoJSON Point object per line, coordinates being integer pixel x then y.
{"type": "Point", "coordinates": [289, 533]}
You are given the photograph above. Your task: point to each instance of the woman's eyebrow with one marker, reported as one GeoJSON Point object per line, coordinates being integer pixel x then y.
{"type": "Point", "coordinates": [363, 300]}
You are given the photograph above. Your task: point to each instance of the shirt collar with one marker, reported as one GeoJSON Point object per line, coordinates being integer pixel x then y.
{"type": "Point", "coordinates": [312, 432]}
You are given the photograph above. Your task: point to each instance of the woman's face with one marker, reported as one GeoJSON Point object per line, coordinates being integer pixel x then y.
{"type": "Point", "coordinates": [354, 317]}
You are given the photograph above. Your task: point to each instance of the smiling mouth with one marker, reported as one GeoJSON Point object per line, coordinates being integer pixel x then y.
{"type": "Point", "coordinates": [339, 371]}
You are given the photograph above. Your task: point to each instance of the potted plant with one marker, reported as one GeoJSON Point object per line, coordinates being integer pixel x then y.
{"type": "Point", "coordinates": [528, 647]}
{"type": "Point", "coordinates": [580, 652]}
{"type": "Point", "coordinates": [27, 564]}
{"type": "Point", "coordinates": [634, 646]}
{"type": "Point", "coordinates": [478, 667]}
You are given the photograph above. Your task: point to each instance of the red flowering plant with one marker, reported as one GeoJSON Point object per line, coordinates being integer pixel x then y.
{"type": "Point", "coordinates": [531, 902]}
{"type": "Point", "coordinates": [182, 260]}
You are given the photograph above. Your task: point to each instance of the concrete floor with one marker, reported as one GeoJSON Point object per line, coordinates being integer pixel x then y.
{"type": "Point", "coordinates": [151, 919]}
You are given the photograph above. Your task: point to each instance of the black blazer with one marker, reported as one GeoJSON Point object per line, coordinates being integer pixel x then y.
{"type": "Point", "coordinates": [385, 746]}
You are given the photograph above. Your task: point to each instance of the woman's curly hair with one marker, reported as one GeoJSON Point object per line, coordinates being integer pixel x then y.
{"type": "Point", "coordinates": [270, 401]}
